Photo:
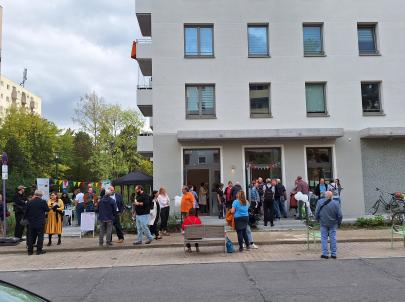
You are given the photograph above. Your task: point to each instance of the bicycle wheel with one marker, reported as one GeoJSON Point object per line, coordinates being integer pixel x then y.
{"type": "Point", "coordinates": [398, 221]}
{"type": "Point", "coordinates": [374, 208]}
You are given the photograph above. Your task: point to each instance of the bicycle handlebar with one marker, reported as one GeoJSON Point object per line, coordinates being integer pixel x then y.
{"type": "Point", "coordinates": [385, 192]}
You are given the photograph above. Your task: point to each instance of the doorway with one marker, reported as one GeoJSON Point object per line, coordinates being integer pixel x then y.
{"type": "Point", "coordinates": [202, 167]}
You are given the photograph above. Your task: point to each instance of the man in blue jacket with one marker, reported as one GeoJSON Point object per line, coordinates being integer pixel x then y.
{"type": "Point", "coordinates": [107, 210]}
{"type": "Point", "coordinates": [329, 214]}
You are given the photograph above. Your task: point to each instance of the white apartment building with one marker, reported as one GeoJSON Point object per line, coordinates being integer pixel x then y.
{"type": "Point", "coordinates": [270, 88]}
{"type": "Point", "coordinates": [12, 94]}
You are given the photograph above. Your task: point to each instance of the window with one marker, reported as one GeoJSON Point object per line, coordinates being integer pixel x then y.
{"type": "Point", "coordinates": [367, 39]}
{"type": "Point", "coordinates": [315, 98]}
{"type": "Point", "coordinates": [371, 97]}
{"type": "Point", "coordinates": [202, 160]}
{"type": "Point", "coordinates": [319, 165]}
{"type": "Point", "coordinates": [258, 40]}
{"type": "Point", "coordinates": [200, 101]}
{"type": "Point", "coordinates": [313, 40]}
{"type": "Point", "coordinates": [259, 100]}
{"type": "Point", "coordinates": [199, 40]}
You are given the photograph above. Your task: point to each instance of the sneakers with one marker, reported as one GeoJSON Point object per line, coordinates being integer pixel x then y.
{"type": "Point", "coordinates": [253, 246]}
{"type": "Point", "coordinates": [137, 243]}
{"type": "Point", "coordinates": [148, 242]}
{"type": "Point", "coordinates": [333, 257]}
{"type": "Point", "coordinates": [324, 257]}
{"type": "Point", "coordinates": [40, 252]}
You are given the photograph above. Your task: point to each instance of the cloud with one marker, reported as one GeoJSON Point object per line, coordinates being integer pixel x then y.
{"type": "Point", "coordinates": [71, 47]}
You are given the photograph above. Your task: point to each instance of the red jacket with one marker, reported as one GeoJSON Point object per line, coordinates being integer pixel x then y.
{"type": "Point", "coordinates": [189, 220]}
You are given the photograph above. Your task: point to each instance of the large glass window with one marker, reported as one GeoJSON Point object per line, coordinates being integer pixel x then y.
{"type": "Point", "coordinates": [199, 40]}
{"type": "Point", "coordinates": [200, 101]}
{"type": "Point", "coordinates": [263, 162]}
{"type": "Point", "coordinates": [319, 164]}
{"type": "Point", "coordinates": [315, 98]}
{"type": "Point", "coordinates": [371, 97]}
{"type": "Point", "coordinates": [313, 39]}
{"type": "Point", "coordinates": [258, 40]}
{"type": "Point", "coordinates": [367, 39]}
{"type": "Point", "coordinates": [259, 100]}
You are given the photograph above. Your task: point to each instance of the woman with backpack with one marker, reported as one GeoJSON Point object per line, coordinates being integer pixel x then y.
{"type": "Point", "coordinates": [240, 209]}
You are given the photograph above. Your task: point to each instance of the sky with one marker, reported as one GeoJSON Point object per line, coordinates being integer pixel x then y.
{"type": "Point", "coordinates": [71, 47]}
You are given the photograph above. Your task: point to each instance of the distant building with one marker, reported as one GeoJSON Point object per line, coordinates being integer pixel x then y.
{"type": "Point", "coordinates": [12, 94]}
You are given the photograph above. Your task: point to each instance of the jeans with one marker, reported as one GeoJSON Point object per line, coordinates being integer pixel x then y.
{"type": "Point", "coordinates": [79, 211]}
{"type": "Point", "coordinates": [164, 217]}
{"type": "Point", "coordinates": [279, 207]}
{"type": "Point", "coordinates": [249, 234]}
{"type": "Point", "coordinates": [36, 233]}
{"type": "Point", "coordinates": [118, 227]}
{"type": "Point", "coordinates": [331, 232]}
{"type": "Point", "coordinates": [105, 229]}
{"type": "Point", "coordinates": [268, 211]}
{"type": "Point", "coordinates": [19, 228]}
{"type": "Point", "coordinates": [142, 227]}
{"type": "Point", "coordinates": [241, 224]}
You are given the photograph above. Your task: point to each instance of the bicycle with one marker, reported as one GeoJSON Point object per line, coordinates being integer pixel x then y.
{"type": "Point", "coordinates": [398, 219]}
{"type": "Point", "coordinates": [392, 204]}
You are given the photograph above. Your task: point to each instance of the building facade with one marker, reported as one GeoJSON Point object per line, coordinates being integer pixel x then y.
{"type": "Point", "coordinates": [278, 89]}
{"type": "Point", "coordinates": [12, 94]}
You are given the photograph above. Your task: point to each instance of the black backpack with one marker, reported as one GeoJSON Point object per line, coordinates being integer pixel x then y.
{"type": "Point", "coordinates": [268, 193]}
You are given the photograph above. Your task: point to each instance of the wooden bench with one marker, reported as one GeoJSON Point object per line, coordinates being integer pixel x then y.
{"type": "Point", "coordinates": [205, 234]}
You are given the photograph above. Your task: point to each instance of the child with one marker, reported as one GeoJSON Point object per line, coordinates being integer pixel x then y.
{"type": "Point", "coordinates": [190, 220]}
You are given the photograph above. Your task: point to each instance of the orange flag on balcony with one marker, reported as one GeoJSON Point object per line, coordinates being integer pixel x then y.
{"type": "Point", "coordinates": [133, 52]}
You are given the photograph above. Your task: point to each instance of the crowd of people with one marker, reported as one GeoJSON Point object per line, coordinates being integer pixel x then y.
{"type": "Point", "coordinates": [264, 200]}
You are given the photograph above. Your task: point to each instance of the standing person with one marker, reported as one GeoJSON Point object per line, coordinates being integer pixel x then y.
{"type": "Point", "coordinates": [154, 215]}
{"type": "Point", "coordinates": [302, 186]}
{"type": "Point", "coordinates": [235, 189]}
{"type": "Point", "coordinates": [55, 218]}
{"type": "Point", "coordinates": [66, 200]}
{"type": "Point", "coordinates": [90, 200]}
{"type": "Point", "coordinates": [336, 188]}
{"type": "Point", "coordinates": [196, 206]}
{"type": "Point", "coordinates": [187, 202]}
{"type": "Point", "coordinates": [321, 188]}
{"type": "Point", "coordinates": [254, 197]}
{"type": "Point", "coordinates": [280, 196]}
{"type": "Point", "coordinates": [228, 196]}
{"type": "Point", "coordinates": [220, 200]}
{"type": "Point", "coordinates": [190, 220]}
{"type": "Point", "coordinates": [260, 188]}
{"type": "Point", "coordinates": [202, 198]}
{"type": "Point", "coordinates": [79, 201]}
{"type": "Point", "coordinates": [164, 203]}
{"type": "Point", "coordinates": [142, 210]}
{"type": "Point", "coordinates": [19, 205]}
{"type": "Point", "coordinates": [107, 210]}
{"type": "Point", "coordinates": [35, 214]}
{"type": "Point", "coordinates": [240, 209]}
{"type": "Point", "coordinates": [117, 218]}
{"type": "Point", "coordinates": [268, 201]}
{"type": "Point", "coordinates": [329, 214]}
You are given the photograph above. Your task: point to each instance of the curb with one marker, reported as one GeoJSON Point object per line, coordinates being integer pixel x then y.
{"type": "Point", "coordinates": [178, 245]}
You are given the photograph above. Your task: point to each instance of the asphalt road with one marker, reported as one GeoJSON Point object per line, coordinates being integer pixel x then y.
{"type": "Point", "coordinates": [326, 280]}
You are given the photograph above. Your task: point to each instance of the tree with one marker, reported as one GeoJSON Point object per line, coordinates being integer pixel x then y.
{"type": "Point", "coordinates": [89, 114]}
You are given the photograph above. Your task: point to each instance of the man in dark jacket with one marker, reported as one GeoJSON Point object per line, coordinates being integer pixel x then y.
{"type": "Point", "coordinates": [329, 214]}
{"type": "Point", "coordinates": [117, 218]}
{"type": "Point", "coordinates": [268, 201]}
{"type": "Point", "coordinates": [142, 209]}
{"type": "Point", "coordinates": [235, 189]}
{"type": "Point", "coordinates": [107, 211]}
{"type": "Point", "coordinates": [19, 205]}
{"type": "Point", "coordinates": [35, 214]}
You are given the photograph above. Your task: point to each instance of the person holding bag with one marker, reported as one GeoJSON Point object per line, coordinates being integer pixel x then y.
{"type": "Point", "coordinates": [240, 208]}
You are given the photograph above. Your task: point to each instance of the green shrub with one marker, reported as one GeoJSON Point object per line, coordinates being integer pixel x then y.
{"type": "Point", "coordinates": [371, 222]}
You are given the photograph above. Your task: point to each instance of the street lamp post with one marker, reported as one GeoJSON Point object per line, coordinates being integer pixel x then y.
{"type": "Point", "coordinates": [4, 170]}
{"type": "Point", "coordinates": [56, 167]}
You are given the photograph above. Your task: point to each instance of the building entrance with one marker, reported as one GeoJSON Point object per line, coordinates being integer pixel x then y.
{"type": "Point", "coordinates": [202, 170]}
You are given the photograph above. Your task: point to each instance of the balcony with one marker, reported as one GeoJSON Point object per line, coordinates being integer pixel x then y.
{"type": "Point", "coordinates": [142, 52]}
{"type": "Point", "coordinates": [143, 9]}
{"type": "Point", "coordinates": [145, 145]}
{"type": "Point", "coordinates": [144, 99]}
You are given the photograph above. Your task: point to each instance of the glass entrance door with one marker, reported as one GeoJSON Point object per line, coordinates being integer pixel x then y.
{"type": "Point", "coordinates": [202, 170]}
{"type": "Point", "coordinates": [262, 162]}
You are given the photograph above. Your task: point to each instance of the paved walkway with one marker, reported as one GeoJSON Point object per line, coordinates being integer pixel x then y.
{"type": "Point", "coordinates": [167, 256]}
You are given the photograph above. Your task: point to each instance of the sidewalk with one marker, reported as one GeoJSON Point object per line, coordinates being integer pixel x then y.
{"type": "Point", "coordinates": [72, 244]}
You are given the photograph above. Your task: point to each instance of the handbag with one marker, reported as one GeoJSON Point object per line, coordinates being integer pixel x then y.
{"type": "Point", "coordinates": [229, 246]}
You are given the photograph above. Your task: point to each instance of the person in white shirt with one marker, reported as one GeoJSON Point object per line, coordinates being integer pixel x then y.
{"type": "Point", "coordinates": [164, 202]}
{"type": "Point", "coordinates": [79, 200]}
